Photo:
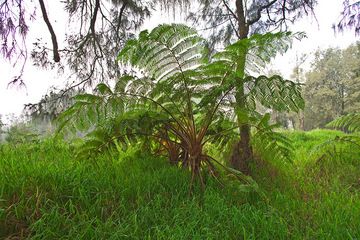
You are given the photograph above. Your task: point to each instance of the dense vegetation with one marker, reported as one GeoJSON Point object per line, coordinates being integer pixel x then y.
{"type": "Point", "coordinates": [47, 194]}
{"type": "Point", "coordinates": [182, 136]}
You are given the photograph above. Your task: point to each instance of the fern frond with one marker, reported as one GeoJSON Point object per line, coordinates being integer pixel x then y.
{"type": "Point", "coordinates": [276, 93]}
{"type": "Point", "coordinates": [90, 110]}
{"type": "Point", "coordinates": [128, 127]}
{"type": "Point", "coordinates": [270, 143]}
{"type": "Point", "coordinates": [263, 48]}
{"type": "Point", "coordinates": [349, 122]}
{"type": "Point", "coordinates": [164, 51]}
{"type": "Point", "coordinates": [258, 49]}
{"type": "Point", "coordinates": [338, 149]}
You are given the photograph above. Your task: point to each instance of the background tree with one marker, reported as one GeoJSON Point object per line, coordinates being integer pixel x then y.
{"type": "Point", "coordinates": [96, 32]}
{"type": "Point", "coordinates": [298, 75]}
{"type": "Point", "coordinates": [50, 106]}
{"type": "Point", "coordinates": [332, 86]}
{"type": "Point", "coordinates": [100, 30]}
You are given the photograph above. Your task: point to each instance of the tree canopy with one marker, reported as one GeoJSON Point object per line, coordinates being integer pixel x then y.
{"type": "Point", "coordinates": [332, 87]}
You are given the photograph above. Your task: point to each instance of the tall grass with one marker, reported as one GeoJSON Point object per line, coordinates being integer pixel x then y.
{"type": "Point", "coordinates": [46, 194]}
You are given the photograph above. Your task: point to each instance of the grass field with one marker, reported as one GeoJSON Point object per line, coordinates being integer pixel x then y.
{"type": "Point", "coordinates": [46, 194]}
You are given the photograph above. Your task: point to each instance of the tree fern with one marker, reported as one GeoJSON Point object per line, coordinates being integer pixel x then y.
{"type": "Point", "coordinates": [179, 98]}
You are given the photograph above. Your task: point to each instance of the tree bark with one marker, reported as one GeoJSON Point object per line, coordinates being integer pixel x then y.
{"type": "Point", "coordinates": [242, 153]}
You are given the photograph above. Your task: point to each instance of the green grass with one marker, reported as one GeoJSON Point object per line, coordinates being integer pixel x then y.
{"type": "Point", "coordinates": [46, 194]}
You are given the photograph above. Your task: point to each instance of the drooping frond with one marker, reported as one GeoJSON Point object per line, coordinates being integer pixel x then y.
{"type": "Point", "coordinates": [128, 127]}
{"type": "Point", "coordinates": [276, 93]}
{"type": "Point", "coordinates": [349, 122]}
{"type": "Point", "coordinates": [258, 50]}
{"type": "Point", "coordinates": [338, 149]}
{"type": "Point", "coordinates": [91, 109]}
{"type": "Point", "coordinates": [270, 143]}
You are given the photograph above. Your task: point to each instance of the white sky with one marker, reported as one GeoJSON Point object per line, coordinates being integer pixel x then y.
{"type": "Point", "coordinates": [12, 99]}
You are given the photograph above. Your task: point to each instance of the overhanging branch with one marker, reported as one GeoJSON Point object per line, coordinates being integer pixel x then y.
{"type": "Point", "coordinates": [51, 30]}
{"type": "Point", "coordinates": [258, 12]}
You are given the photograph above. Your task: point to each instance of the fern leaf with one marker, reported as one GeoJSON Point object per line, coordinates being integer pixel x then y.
{"type": "Point", "coordinates": [270, 143]}
{"type": "Point", "coordinates": [349, 122]}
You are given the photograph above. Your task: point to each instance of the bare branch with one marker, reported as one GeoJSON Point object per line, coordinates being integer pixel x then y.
{"type": "Point", "coordinates": [229, 9]}
{"type": "Point", "coordinates": [51, 30]}
{"type": "Point", "coordinates": [258, 12]}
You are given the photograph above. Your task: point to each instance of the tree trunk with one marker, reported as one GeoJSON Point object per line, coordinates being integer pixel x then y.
{"type": "Point", "coordinates": [301, 121]}
{"type": "Point", "coordinates": [242, 153]}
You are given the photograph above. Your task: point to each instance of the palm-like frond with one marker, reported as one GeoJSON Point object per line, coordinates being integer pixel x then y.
{"type": "Point", "coordinates": [263, 48]}
{"type": "Point", "coordinates": [275, 93]}
{"type": "Point", "coordinates": [272, 92]}
{"type": "Point", "coordinates": [166, 50]}
{"type": "Point", "coordinates": [258, 50]}
{"type": "Point", "coordinates": [349, 122]}
{"type": "Point", "coordinates": [91, 109]}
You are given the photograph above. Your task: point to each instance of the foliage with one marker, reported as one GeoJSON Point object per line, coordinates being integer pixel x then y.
{"type": "Point", "coordinates": [349, 122]}
{"type": "Point", "coordinates": [45, 194]}
{"type": "Point", "coordinates": [50, 105]}
{"type": "Point", "coordinates": [224, 21]}
{"type": "Point", "coordinates": [332, 86]}
{"type": "Point", "coordinates": [180, 98]}
{"type": "Point", "coordinates": [96, 30]}
{"type": "Point", "coordinates": [350, 17]}
{"type": "Point", "coordinates": [21, 133]}
{"type": "Point", "coordinates": [14, 26]}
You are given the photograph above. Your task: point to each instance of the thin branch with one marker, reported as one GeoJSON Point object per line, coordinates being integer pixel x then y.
{"type": "Point", "coordinates": [229, 9]}
{"type": "Point", "coordinates": [120, 18]}
{"type": "Point", "coordinates": [92, 26]}
{"type": "Point", "coordinates": [51, 30]}
{"type": "Point", "coordinates": [258, 12]}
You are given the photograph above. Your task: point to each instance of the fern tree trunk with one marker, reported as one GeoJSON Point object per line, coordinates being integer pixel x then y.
{"type": "Point", "coordinates": [242, 153]}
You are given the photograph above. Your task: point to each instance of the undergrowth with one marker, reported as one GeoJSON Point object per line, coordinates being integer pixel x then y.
{"type": "Point", "coordinates": [46, 194]}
